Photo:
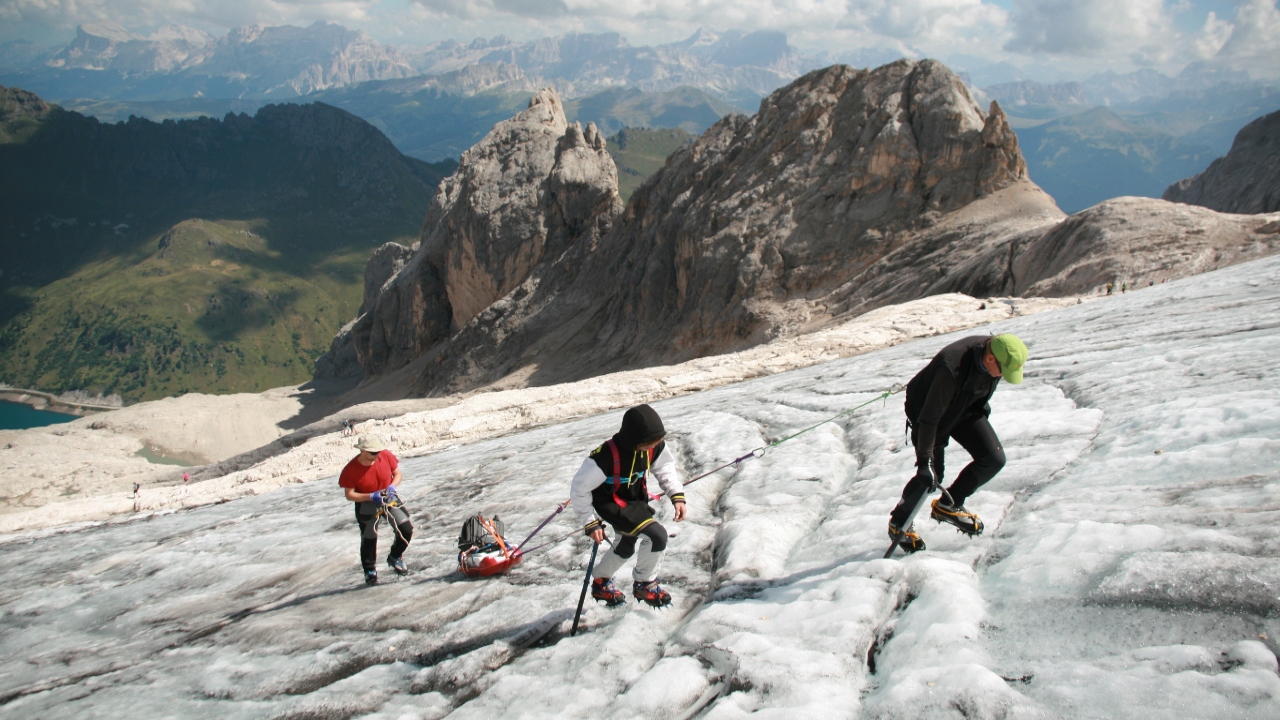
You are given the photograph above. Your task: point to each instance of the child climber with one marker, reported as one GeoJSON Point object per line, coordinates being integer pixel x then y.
{"type": "Point", "coordinates": [612, 487]}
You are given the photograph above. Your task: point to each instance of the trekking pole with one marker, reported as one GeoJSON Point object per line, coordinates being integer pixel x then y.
{"type": "Point", "coordinates": [595, 547]}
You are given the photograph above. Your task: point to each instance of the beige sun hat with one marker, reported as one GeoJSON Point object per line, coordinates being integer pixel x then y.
{"type": "Point", "coordinates": [370, 443]}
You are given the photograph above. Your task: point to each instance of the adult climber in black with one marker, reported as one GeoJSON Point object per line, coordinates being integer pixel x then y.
{"type": "Point", "coordinates": [612, 487]}
{"type": "Point", "coordinates": [950, 398]}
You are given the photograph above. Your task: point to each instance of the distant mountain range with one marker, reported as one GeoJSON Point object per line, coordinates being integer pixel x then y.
{"type": "Point", "coordinates": [1132, 134]}
{"type": "Point", "coordinates": [107, 62]}
{"type": "Point", "coordinates": [434, 118]}
{"type": "Point", "coordinates": [151, 259]}
{"type": "Point", "coordinates": [435, 101]}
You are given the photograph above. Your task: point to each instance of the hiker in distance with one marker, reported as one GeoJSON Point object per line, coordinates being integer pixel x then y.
{"type": "Point", "coordinates": [370, 481]}
{"type": "Point", "coordinates": [612, 487]}
{"type": "Point", "coordinates": [948, 399]}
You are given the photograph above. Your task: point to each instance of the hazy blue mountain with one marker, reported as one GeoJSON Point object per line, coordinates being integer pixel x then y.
{"type": "Point", "coordinates": [736, 66]}
{"type": "Point", "coordinates": [426, 121]}
{"type": "Point", "coordinates": [1154, 130]}
{"type": "Point", "coordinates": [19, 55]}
{"type": "Point", "coordinates": [107, 62]}
{"type": "Point", "coordinates": [686, 108]}
{"type": "Point", "coordinates": [1084, 159]}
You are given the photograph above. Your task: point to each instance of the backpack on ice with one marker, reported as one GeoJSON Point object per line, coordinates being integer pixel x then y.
{"type": "Point", "coordinates": [482, 549]}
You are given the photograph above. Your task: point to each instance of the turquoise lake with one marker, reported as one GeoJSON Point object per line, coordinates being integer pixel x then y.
{"type": "Point", "coordinates": [17, 416]}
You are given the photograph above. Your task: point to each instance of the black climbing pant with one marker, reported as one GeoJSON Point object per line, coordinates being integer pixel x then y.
{"type": "Point", "coordinates": [402, 530]}
{"type": "Point", "coordinates": [626, 544]}
{"type": "Point", "coordinates": [979, 439]}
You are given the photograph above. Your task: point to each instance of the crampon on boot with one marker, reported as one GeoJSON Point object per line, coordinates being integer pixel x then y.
{"type": "Point", "coordinates": [964, 521]}
{"type": "Point", "coordinates": [908, 540]}
{"type": "Point", "coordinates": [370, 577]}
{"type": "Point", "coordinates": [603, 589]}
{"type": "Point", "coordinates": [651, 593]}
{"type": "Point", "coordinates": [398, 565]}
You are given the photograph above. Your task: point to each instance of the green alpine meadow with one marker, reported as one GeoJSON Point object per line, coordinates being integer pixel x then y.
{"type": "Point", "coordinates": [153, 259]}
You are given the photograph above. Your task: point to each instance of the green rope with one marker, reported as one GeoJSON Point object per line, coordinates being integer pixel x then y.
{"type": "Point", "coordinates": [760, 451]}
{"type": "Point", "coordinates": [893, 390]}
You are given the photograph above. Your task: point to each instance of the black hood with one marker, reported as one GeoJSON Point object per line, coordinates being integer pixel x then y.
{"type": "Point", "coordinates": [640, 424]}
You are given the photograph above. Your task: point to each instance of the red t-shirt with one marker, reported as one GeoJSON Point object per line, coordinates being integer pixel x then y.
{"type": "Point", "coordinates": [369, 479]}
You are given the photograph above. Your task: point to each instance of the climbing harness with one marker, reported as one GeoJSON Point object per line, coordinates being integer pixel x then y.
{"type": "Point", "coordinates": [388, 511]}
{"type": "Point", "coordinates": [616, 479]}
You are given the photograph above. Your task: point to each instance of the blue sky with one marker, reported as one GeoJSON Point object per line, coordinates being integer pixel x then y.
{"type": "Point", "coordinates": [1065, 38]}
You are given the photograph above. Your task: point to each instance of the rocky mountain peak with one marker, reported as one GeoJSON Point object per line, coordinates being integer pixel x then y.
{"type": "Point", "coordinates": [534, 187]}
{"type": "Point", "coordinates": [734, 241]}
{"type": "Point", "coordinates": [848, 190]}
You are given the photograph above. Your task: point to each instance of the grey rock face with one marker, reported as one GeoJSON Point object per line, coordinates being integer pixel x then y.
{"type": "Point", "coordinates": [534, 187]}
{"type": "Point", "coordinates": [849, 190]}
{"type": "Point", "coordinates": [1246, 180]}
{"type": "Point", "coordinates": [741, 234]}
{"type": "Point", "coordinates": [382, 266]}
{"type": "Point", "coordinates": [1135, 241]}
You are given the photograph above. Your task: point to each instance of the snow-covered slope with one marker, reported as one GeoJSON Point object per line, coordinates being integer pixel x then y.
{"type": "Point", "coordinates": [1129, 569]}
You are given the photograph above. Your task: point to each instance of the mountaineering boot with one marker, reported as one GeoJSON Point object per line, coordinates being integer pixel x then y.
{"type": "Point", "coordinates": [604, 589]}
{"type": "Point", "coordinates": [908, 540]}
{"type": "Point", "coordinates": [370, 577]}
{"type": "Point", "coordinates": [965, 521]}
{"type": "Point", "coordinates": [397, 564]}
{"type": "Point", "coordinates": [651, 593]}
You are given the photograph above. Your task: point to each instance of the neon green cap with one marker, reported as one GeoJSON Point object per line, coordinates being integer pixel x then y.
{"type": "Point", "coordinates": [1011, 353]}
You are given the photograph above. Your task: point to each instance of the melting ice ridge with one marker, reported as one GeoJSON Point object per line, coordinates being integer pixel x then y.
{"type": "Point", "coordinates": [1129, 568]}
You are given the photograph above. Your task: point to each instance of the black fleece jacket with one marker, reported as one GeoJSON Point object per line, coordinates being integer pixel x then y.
{"type": "Point", "coordinates": [954, 388]}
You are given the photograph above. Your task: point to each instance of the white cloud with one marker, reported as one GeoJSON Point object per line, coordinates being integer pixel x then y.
{"type": "Point", "coordinates": [920, 26]}
{"type": "Point", "coordinates": [205, 14]}
{"type": "Point", "coordinates": [1141, 29]}
{"type": "Point", "coordinates": [926, 21]}
{"type": "Point", "coordinates": [1254, 42]}
{"type": "Point", "coordinates": [1212, 36]}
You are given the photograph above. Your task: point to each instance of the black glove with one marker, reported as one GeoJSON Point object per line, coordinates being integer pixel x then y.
{"type": "Point", "coordinates": [925, 473]}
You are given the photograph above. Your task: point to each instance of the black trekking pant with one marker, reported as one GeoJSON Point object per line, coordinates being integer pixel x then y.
{"type": "Point", "coordinates": [396, 517]}
{"type": "Point", "coordinates": [979, 439]}
{"type": "Point", "coordinates": [625, 546]}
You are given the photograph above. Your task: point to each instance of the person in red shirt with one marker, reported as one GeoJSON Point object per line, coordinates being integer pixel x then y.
{"type": "Point", "coordinates": [370, 481]}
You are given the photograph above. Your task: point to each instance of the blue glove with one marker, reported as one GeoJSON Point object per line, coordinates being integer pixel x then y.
{"type": "Point", "coordinates": [389, 493]}
{"type": "Point", "coordinates": [376, 497]}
